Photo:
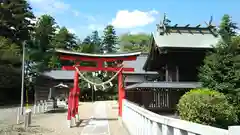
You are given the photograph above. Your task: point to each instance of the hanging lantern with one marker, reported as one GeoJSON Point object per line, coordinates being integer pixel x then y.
{"type": "Point", "coordinates": [95, 87]}
{"type": "Point", "coordinates": [89, 86]}
{"type": "Point", "coordinates": [99, 72]}
{"type": "Point", "coordinates": [111, 84]}
{"type": "Point", "coordinates": [93, 74]}
{"type": "Point", "coordinates": [96, 74]}
{"type": "Point", "coordinates": [105, 74]}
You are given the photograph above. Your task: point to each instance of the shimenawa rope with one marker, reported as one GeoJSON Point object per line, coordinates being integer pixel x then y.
{"type": "Point", "coordinates": [100, 84]}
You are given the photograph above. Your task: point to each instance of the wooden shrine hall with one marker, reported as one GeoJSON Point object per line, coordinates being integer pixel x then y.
{"type": "Point", "coordinates": [176, 53]}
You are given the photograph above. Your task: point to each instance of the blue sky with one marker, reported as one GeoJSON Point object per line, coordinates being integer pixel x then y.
{"type": "Point", "coordinates": [83, 16]}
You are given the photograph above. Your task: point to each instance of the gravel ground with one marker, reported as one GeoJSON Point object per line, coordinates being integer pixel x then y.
{"type": "Point", "coordinates": [8, 115]}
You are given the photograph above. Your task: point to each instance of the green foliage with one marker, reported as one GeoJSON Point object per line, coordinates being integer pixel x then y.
{"type": "Point", "coordinates": [42, 43]}
{"type": "Point", "coordinates": [88, 46]}
{"type": "Point", "coordinates": [110, 39]}
{"type": "Point", "coordinates": [133, 48]}
{"type": "Point", "coordinates": [96, 41]}
{"type": "Point", "coordinates": [64, 39]}
{"type": "Point", "coordinates": [10, 71]}
{"type": "Point", "coordinates": [207, 107]}
{"type": "Point", "coordinates": [136, 39]}
{"type": "Point", "coordinates": [44, 32]}
{"type": "Point", "coordinates": [221, 70]}
{"type": "Point", "coordinates": [227, 28]}
{"type": "Point", "coordinates": [15, 22]}
{"type": "Point", "coordinates": [9, 52]}
{"type": "Point", "coordinates": [134, 42]}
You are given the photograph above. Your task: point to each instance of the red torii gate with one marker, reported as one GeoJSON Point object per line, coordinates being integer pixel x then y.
{"type": "Point", "coordinates": [74, 92]}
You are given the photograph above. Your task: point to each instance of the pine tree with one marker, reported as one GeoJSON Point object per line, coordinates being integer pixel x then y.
{"type": "Point", "coordinates": [109, 42]}
{"type": "Point", "coordinates": [96, 41]}
{"type": "Point", "coordinates": [227, 28]}
{"type": "Point", "coordinates": [45, 32]}
{"type": "Point", "coordinates": [15, 22]}
{"type": "Point", "coordinates": [64, 39]}
{"type": "Point", "coordinates": [87, 45]}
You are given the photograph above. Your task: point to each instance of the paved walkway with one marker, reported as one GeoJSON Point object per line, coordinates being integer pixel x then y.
{"type": "Point", "coordinates": [98, 125]}
{"type": "Point", "coordinates": [98, 118]}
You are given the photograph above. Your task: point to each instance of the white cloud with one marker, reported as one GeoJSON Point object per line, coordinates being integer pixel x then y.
{"type": "Point", "coordinates": [50, 6]}
{"type": "Point", "coordinates": [97, 27]}
{"type": "Point", "coordinates": [71, 30]}
{"type": "Point", "coordinates": [136, 18]}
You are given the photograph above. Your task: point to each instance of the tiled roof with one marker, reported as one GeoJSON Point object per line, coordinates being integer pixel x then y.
{"type": "Point", "coordinates": [164, 85]}
{"type": "Point", "coordinates": [60, 74]}
{"type": "Point", "coordinates": [186, 37]}
{"type": "Point", "coordinates": [137, 65]}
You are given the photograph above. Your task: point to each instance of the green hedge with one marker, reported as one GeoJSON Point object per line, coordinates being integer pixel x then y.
{"type": "Point", "coordinates": [207, 107]}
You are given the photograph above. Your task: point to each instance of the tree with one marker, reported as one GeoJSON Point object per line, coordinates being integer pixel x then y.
{"type": "Point", "coordinates": [15, 22]}
{"type": "Point", "coordinates": [64, 39]}
{"type": "Point", "coordinates": [87, 45]}
{"type": "Point", "coordinates": [220, 71]}
{"type": "Point", "coordinates": [41, 48]}
{"type": "Point", "coordinates": [9, 52]}
{"type": "Point", "coordinates": [135, 42]}
{"type": "Point", "coordinates": [96, 41]}
{"type": "Point", "coordinates": [10, 71]}
{"type": "Point", "coordinates": [221, 68]}
{"type": "Point", "coordinates": [109, 42]}
{"type": "Point", "coordinates": [227, 28]}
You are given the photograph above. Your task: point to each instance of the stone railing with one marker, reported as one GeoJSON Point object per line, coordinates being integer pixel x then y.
{"type": "Point", "coordinates": [39, 108]}
{"type": "Point", "coordinates": [140, 121]}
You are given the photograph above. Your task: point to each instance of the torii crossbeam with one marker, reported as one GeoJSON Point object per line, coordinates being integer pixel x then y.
{"type": "Point", "coordinates": [99, 59]}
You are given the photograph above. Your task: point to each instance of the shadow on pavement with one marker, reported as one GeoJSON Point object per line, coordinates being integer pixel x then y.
{"type": "Point", "coordinates": [115, 107]}
{"type": "Point", "coordinates": [109, 119]}
{"type": "Point", "coordinates": [59, 110]}
{"type": "Point", "coordinates": [85, 122]}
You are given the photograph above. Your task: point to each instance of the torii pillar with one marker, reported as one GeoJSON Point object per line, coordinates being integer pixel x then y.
{"type": "Point", "coordinates": [121, 93]}
{"type": "Point", "coordinates": [73, 101]}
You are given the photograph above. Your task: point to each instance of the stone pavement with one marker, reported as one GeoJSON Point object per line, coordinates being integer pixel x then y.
{"type": "Point", "coordinates": [116, 127]}
{"type": "Point", "coordinates": [98, 118]}
{"type": "Point", "coordinates": [98, 124]}
{"type": "Point", "coordinates": [104, 120]}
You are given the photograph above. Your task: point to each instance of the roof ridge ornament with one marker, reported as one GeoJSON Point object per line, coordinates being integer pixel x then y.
{"type": "Point", "coordinates": [209, 22]}
{"type": "Point", "coordinates": [165, 28]}
{"type": "Point", "coordinates": [162, 26]}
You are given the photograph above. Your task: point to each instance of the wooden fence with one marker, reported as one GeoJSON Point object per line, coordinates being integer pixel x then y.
{"type": "Point", "coordinates": [156, 100]}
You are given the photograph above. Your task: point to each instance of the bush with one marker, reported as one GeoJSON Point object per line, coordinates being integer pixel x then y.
{"type": "Point", "coordinates": [207, 107]}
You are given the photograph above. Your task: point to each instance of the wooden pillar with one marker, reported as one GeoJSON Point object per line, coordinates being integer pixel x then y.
{"type": "Point", "coordinates": [177, 74]}
{"type": "Point", "coordinates": [166, 73]}
{"type": "Point", "coordinates": [121, 93]}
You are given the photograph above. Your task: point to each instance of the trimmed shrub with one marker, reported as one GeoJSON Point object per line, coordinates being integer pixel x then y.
{"type": "Point", "coordinates": [207, 107]}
